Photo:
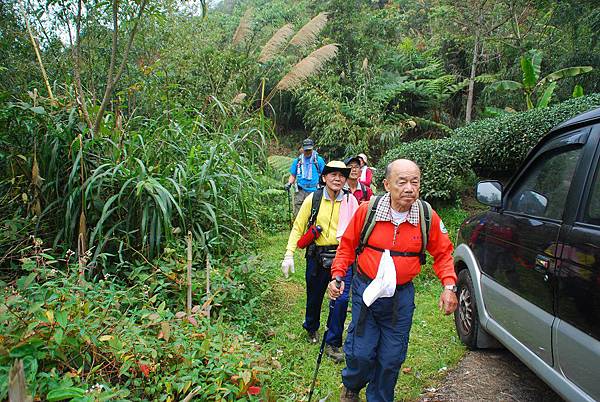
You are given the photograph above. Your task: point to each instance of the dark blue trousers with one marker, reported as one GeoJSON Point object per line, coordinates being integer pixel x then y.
{"type": "Point", "coordinates": [374, 356]}
{"type": "Point", "coordinates": [317, 279]}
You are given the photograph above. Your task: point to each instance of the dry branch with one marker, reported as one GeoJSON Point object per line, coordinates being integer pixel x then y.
{"type": "Point", "coordinates": [112, 81]}
{"type": "Point", "coordinates": [276, 43]}
{"type": "Point", "coordinates": [243, 28]}
{"type": "Point", "coordinates": [307, 35]}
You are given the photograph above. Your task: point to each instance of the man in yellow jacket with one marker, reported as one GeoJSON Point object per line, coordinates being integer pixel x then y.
{"type": "Point", "coordinates": [332, 212]}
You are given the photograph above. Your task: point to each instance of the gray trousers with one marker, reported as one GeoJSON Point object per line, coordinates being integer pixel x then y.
{"type": "Point", "coordinates": [299, 198]}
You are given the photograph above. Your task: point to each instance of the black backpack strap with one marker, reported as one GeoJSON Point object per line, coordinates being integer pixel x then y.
{"type": "Point", "coordinates": [298, 166]}
{"type": "Point", "coordinates": [314, 208]}
{"type": "Point", "coordinates": [363, 189]}
{"type": "Point", "coordinates": [425, 213]}
{"type": "Point", "coordinates": [368, 224]}
{"type": "Point", "coordinates": [317, 163]}
{"type": "Point", "coordinates": [395, 253]}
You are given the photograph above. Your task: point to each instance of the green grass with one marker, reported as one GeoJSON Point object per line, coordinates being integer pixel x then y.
{"type": "Point", "coordinates": [433, 350]}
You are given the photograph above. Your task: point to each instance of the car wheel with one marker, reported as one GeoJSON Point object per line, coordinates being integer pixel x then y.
{"type": "Point", "coordinates": [466, 317]}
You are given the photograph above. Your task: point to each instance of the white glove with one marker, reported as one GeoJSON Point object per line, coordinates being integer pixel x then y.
{"type": "Point", "coordinates": [287, 265]}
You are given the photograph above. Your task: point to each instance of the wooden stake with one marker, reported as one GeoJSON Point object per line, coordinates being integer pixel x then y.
{"type": "Point", "coordinates": [188, 308]}
{"type": "Point", "coordinates": [17, 387]}
{"type": "Point", "coordinates": [208, 284]}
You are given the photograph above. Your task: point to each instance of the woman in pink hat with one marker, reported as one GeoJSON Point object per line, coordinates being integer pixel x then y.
{"type": "Point", "coordinates": [366, 175]}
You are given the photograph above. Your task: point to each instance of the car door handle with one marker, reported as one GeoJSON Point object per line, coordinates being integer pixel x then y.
{"type": "Point", "coordinates": [542, 263]}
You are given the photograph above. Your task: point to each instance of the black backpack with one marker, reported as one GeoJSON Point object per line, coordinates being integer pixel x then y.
{"type": "Point", "coordinates": [425, 213]}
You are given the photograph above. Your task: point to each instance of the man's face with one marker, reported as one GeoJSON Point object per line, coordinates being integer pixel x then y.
{"type": "Point", "coordinates": [403, 184]}
{"type": "Point", "coordinates": [334, 181]}
{"type": "Point", "coordinates": [307, 152]}
{"type": "Point", "coordinates": [354, 170]}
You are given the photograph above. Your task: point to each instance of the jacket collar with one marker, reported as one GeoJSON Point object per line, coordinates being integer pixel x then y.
{"type": "Point", "coordinates": [338, 198]}
{"type": "Point", "coordinates": [384, 211]}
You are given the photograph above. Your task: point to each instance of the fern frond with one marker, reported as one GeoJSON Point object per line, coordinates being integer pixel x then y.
{"type": "Point", "coordinates": [427, 123]}
{"type": "Point", "coordinates": [482, 79]}
{"type": "Point", "coordinates": [307, 35]}
{"type": "Point", "coordinates": [440, 85]}
{"type": "Point", "coordinates": [306, 67]}
{"type": "Point", "coordinates": [274, 45]}
{"type": "Point", "coordinates": [280, 164]}
{"type": "Point", "coordinates": [243, 28]}
{"type": "Point", "coordinates": [435, 69]}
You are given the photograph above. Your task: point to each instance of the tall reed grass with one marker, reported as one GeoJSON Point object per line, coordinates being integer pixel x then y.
{"type": "Point", "coordinates": [138, 190]}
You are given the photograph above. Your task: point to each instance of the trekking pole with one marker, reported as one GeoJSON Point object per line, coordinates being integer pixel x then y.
{"type": "Point", "coordinates": [290, 207]}
{"type": "Point", "coordinates": [338, 284]}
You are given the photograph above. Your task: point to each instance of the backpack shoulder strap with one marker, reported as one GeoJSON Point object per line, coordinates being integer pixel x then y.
{"type": "Point", "coordinates": [368, 224]}
{"type": "Point", "coordinates": [299, 165]}
{"type": "Point", "coordinates": [425, 214]}
{"type": "Point", "coordinates": [363, 189]}
{"type": "Point", "coordinates": [314, 208]}
{"type": "Point", "coordinates": [317, 163]}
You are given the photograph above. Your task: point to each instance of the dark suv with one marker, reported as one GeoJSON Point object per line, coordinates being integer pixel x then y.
{"type": "Point", "coordinates": [529, 268]}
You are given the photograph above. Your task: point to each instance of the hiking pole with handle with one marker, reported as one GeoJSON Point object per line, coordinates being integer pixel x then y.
{"type": "Point", "coordinates": [289, 193]}
{"type": "Point", "coordinates": [338, 284]}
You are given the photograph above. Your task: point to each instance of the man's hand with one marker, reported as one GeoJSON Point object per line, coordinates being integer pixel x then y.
{"type": "Point", "coordinates": [448, 302]}
{"type": "Point", "coordinates": [287, 265]}
{"type": "Point", "coordinates": [333, 290]}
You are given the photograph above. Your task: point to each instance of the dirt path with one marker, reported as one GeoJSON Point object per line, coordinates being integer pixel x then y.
{"type": "Point", "coordinates": [495, 375]}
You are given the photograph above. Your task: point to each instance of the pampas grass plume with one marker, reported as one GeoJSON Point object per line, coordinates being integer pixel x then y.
{"type": "Point", "coordinates": [308, 66]}
{"type": "Point", "coordinates": [307, 35]}
{"type": "Point", "coordinates": [277, 41]}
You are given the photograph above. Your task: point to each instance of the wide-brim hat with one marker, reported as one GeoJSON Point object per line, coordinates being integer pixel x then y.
{"type": "Point", "coordinates": [336, 166]}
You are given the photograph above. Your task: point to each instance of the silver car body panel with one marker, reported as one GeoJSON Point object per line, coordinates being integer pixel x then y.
{"type": "Point", "coordinates": [553, 377]}
{"type": "Point", "coordinates": [525, 321]}
{"type": "Point", "coordinates": [577, 356]}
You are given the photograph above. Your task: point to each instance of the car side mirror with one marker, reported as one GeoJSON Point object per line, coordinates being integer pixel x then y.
{"type": "Point", "coordinates": [489, 192]}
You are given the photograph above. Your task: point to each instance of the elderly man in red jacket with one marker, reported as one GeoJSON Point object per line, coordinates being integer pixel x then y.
{"type": "Point", "coordinates": [377, 338]}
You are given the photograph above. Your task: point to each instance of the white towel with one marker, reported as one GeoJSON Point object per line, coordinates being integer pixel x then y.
{"type": "Point", "coordinates": [384, 284]}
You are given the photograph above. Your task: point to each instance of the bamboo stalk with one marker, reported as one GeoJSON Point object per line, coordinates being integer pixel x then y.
{"type": "Point", "coordinates": [37, 53]}
{"type": "Point", "coordinates": [188, 307]}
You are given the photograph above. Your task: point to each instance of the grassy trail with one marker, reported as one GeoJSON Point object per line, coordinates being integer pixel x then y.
{"type": "Point", "coordinates": [433, 349]}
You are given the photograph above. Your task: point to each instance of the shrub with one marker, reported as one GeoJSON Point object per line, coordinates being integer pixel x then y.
{"type": "Point", "coordinates": [444, 164]}
{"type": "Point", "coordinates": [493, 147]}
{"type": "Point", "coordinates": [499, 145]}
{"type": "Point", "coordinates": [105, 340]}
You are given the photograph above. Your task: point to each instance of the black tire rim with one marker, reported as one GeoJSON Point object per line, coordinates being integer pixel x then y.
{"type": "Point", "coordinates": [465, 310]}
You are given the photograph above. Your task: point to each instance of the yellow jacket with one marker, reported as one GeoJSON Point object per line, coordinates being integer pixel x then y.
{"type": "Point", "coordinates": [327, 218]}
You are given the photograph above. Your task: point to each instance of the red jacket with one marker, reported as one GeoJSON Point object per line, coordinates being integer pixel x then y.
{"type": "Point", "coordinates": [408, 239]}
{"type": "Point", "coordinates": [360, 195]}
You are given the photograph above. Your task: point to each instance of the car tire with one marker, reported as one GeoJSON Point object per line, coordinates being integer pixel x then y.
{"type": "Point", "coordinates": [466, 318]}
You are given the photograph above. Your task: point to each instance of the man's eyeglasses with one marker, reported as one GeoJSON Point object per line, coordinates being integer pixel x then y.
{"type": "Point", "coordinates": [354, 166]}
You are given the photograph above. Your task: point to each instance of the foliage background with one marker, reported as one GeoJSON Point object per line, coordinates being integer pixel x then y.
{"type": "Point", "coordinates": [95, 217]}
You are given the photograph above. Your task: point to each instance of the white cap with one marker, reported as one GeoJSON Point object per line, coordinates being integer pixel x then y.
{"type": "Point", "coordinates": [363, 157]}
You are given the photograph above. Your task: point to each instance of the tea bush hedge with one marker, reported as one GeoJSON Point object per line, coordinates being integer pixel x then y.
{"type": "Point", "coordinates": [490, 147]}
